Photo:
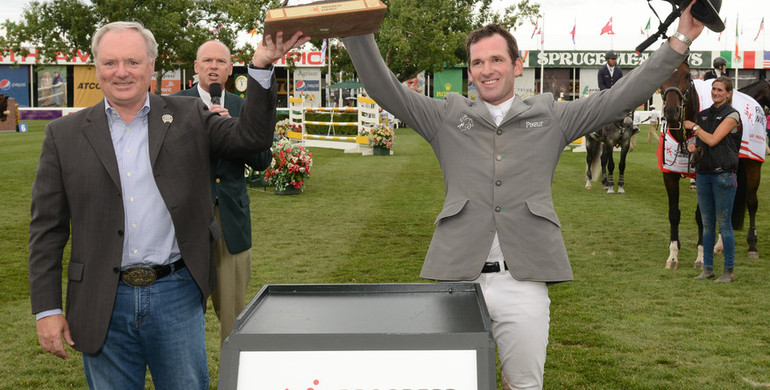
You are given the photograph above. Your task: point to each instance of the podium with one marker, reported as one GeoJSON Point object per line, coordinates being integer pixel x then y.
{"type": "Point", "coordinates": [361, 336]}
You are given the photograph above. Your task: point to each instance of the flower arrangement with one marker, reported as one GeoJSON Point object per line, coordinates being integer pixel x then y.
{"type": "Point", "coordinates": [381, 136]}
{"type": "Point", "coordinates": [290, 167]}
{"type": "Point", "coordinates": [285, 125]}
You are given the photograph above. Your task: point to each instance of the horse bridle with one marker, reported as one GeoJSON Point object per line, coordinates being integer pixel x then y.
{"type": "Point", "coordinates": [683, 102]}
{"type": "Point", "coordinates": [681, 128]}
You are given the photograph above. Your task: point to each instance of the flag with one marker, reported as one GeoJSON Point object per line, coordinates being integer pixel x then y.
{"type": "Point", "coordinates": [646, 30]}
{"type": "Point", "coordinates": [574, 26]}
{"type": "Point", "coordinates": [537, 24]}
{"type": "Point", "coordinates": [607, 28]}
{"type": "Point", "coordinates": [542, 35]}
{"type": "Point", "coordinates": [719, 38]}
{"type": "Point", "coordinates": [766, 60]}
{"type": "Point", "coordinates": [323, 47]}
{"type": "Point", "coordinates": [761, 27]}
{"type": "Point", "coordinates": [737, 35]}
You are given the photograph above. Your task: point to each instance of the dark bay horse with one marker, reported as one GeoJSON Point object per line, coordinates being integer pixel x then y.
{"type": "Point", "coordinates": [680, 102]}
{"type": "Point", "coordinates": [617, 133]}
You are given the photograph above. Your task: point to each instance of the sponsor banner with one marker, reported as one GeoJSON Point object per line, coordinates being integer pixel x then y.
{"type": "Point", "coordinates": [307, 85]}
{"type": "Point", "coordinates": [10, 57]}
{"type": "Point", "coordinates": [362, 370]}
{"type": "Point", "coordinates": [171, 83]}
{"type": "Point", "coordinates": [87, 91]}
{"type": "Point", "coordinates": [447, 81]}
{"type": "Point", "coordinates": [595, 59]}
{"type": "Point", "coordinates": [302, 59]}
{"type": "Point", "coordinates": [52, 86]}
{"type": "Point", "coordinates": [14, 82]}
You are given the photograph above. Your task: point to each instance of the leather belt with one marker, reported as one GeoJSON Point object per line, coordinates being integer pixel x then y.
{"type": "Point", "coordinates": [492, 267]}
{"type": "Point", "coordinates": [143, 276]}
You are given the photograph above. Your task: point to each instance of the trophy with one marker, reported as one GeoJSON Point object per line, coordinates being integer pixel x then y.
{"type": "Point", "coordinates": [326, 19]}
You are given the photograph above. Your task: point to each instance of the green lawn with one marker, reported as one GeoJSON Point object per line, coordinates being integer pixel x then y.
{"type": "Point", "coordinates": [624, 323]}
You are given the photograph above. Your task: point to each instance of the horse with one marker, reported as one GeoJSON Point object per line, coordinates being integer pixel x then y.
{"type": "Point", "coordinates": [680, 102]}
{"type": "Point", "coordinates": [617, 133]}
{"type": "Point", "coordinates": [759, 90]}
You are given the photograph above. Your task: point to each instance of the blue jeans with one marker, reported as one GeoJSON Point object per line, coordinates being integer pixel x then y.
{"type": "Point", "coordinates": [716, 193]}
{"type": "Point", "coordinates": [159, 326]}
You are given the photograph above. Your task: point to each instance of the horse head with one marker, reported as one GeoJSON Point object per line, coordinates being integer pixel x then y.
{"type": "Point", "coordinates": [680, 101]}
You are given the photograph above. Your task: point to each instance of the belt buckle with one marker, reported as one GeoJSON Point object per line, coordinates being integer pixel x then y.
{"type": "Point", "coordinates": [138, 276]}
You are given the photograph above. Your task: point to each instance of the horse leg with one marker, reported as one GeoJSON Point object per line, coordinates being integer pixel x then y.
{"type": "Point", "coordinates": [699, 221]}
{"type": "Point", "coordinates": [589, 161]}
{"type": "Point", "coordinates": [622, 166]}
{"type": "Point", "coordinates": [605, 183]}
{"type": "Point", "coordinates": [753, 170]}
{"type": "Point", "coordinates": [671, 180]}
{"type": "Point", "coordinates": [610, 167]}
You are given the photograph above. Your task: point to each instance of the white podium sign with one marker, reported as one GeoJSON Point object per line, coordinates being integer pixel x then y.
{"type": "Point", "coordinates": [364, 370]}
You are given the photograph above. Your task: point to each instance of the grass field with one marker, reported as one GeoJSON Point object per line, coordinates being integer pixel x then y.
{"type": "Point", "coordinates": [624, 323]}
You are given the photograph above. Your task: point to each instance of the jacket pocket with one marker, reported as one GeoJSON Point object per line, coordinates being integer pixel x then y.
{"type": "Point", "coordinates": [75, 271]}
{"type": "Point", "coordinates": [544, 211]}
{"type": "Point", "coordinates": [451, 209]}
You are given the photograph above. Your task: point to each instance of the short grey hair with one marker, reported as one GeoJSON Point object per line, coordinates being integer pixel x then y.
{"type": "Point", "coordinates": [149, 39]}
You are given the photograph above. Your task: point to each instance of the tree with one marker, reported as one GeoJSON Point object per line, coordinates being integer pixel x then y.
{"type": "Point", "coordinates": [418, 35]}
{"type": "Point", "coordinates": [179, 26]}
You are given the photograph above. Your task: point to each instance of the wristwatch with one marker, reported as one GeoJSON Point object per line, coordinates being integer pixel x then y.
{"type": "Point", "coordinates": [681, 37]}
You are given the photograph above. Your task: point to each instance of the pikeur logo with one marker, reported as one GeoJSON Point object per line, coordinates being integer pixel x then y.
{"type": "Point", "coordinates": [530, 125]}
{"type": "Point", "coordinates": [465, 124]}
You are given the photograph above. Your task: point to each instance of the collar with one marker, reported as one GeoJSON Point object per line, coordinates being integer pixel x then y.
{"type": "Point", "coordinates": [109, 110]}
{"type": "Point", "coordinates": [206, 97]}
{"type": "Point", "coordinates": [501, 110]}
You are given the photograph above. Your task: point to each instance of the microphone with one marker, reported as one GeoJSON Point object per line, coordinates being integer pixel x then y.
{"type": "Point", "coordinates": [215, 90]}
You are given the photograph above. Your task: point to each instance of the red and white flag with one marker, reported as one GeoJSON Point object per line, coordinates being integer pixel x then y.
{"type": "Point", "coordinates": [761, 27]}
{"type": "Point", "coordinates": [607, 29]}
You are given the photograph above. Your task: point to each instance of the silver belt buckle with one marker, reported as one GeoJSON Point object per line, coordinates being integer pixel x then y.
{"type": "Point", "coordinates": [138, 276]}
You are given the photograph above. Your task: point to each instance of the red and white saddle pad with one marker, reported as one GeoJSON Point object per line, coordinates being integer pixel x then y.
{"type": "Point", "coordinates": [670, 158]}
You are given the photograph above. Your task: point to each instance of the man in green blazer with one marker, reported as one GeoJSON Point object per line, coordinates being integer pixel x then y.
{"type": "Point", "coordinates": [213, 64]}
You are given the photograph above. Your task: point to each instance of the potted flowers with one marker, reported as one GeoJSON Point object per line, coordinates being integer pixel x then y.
{"type": "Point", "coordinates": [284, 126]}
{"type": "Point", "coordinates": [290, 167]}
{"type": "Point", "coordinates": [381, 139]}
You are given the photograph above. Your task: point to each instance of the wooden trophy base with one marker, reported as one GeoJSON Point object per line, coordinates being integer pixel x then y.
{"type": "Point", "coordinates": [333, 19]}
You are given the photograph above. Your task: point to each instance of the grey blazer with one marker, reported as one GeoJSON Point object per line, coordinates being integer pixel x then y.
{"type": "Point", "coordinates": [499, 178]}
{"type": "Point", "coordinates": [77, 187]}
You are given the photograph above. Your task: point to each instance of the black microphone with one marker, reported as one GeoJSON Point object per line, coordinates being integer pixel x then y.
{"type": "Point", "coordinates": [215, 90]}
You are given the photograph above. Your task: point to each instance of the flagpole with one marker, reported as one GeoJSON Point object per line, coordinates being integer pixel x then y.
{"type": "Point", "coordinates": [542, 63]}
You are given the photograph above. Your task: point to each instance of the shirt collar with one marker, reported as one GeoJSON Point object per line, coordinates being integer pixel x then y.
{"type": "Point", "coordinates": [111, 111]}
{"type": "Point", "coordinates": [499, 111]}
{"type": "Point", "coordinates": [206, 97]}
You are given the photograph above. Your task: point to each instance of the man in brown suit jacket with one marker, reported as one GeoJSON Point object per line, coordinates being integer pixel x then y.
{"type": "Point", "coordinates": [130, 178]}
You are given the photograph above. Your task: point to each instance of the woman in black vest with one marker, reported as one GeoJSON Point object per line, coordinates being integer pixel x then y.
{"type": "Point", "coordinates": [718, 139]}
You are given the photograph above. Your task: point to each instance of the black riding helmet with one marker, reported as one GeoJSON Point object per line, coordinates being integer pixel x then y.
{"type": "Point", "coordinates": [611, 54]}
{"type": "Point", "coordinates": [719, 62]}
